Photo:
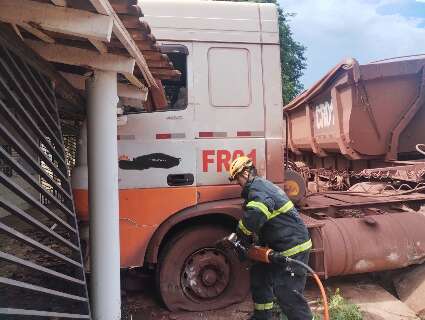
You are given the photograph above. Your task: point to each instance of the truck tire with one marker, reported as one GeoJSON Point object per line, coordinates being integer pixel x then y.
{"type": "Point", "coordinates": [294, 185]}
{"type": "Point", "coordinates": [194, 275]}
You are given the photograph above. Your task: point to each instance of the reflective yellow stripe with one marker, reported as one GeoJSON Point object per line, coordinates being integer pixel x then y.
{"type": "Point", "coordinates": [263, 208]}
{"type": "Point", "coordinates": [286, 207]}
{"type": "Point", "coordinates": [243, 228]}
{"type": "Point", "coordinates": [283, 209]}
{"type": "Point", "coordinates": [263, 306]}
{"type": "Point", "coordinates": [260, 206]}
{"type": "Point", "coordinates": [297, 249]}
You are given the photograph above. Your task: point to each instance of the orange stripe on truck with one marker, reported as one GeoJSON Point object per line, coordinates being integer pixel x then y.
{"type": "Point", "coordinates": [141, 212]}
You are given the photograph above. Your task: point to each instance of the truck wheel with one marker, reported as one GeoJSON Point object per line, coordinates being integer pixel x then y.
{"type": "Point", "coordinates": [294, 185]}
{"type": "Point", "coordinates": [194, 275]}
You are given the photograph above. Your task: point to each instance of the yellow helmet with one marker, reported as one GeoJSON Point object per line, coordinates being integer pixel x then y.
{"type": "Point", "coordinates": [238, 165]}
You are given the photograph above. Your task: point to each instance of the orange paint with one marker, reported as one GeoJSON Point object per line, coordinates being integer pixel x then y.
{"type": "Point", "coordinates": [152, 206]}
{"type": "Point", "coordinates": [214, 193]}
{"type": "Point", "coordinates": [81, 200]}
{"type": "Point", "coordinates": [134, 240]}
{"type": "Point", "coordinates": [141, 212]}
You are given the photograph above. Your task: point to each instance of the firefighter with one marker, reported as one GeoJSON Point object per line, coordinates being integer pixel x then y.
{"type": "Point", "coordinates": [271, 218]}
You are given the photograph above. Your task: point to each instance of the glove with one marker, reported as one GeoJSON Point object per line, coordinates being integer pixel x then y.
{"type": "Point", "coordinates": [234, 244]}
{"type": "Point", "coordinates": [245, 240]}
{"type": "Point", "coordinates": [241, 251]}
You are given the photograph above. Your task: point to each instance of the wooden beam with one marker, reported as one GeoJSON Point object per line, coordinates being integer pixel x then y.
{"type": "Point", "coordinates": [37, 33]}
{"type": "Point", "coordinates": [131, 92]}
{"type": "Point", "coordinates": [59, 19]}
{"type": "Point", "coordinates": [166, 72]}
{"type": "Point", "coordinates": [131, 22]}
{"type": "Point", "coordinates": [132, 10]}
{"type": "Point", "coordinates": [162, 78]}
{"type": "Point", "coordinates": [136, 34]}
{"type": "Point", "coordinates": [123, 2]}
{"type": "Point", "coordinates": [104, 7]}
{"type": "Point", "coordinates": [124, 90]}
{"type": "Point", "coordinates": [161, 64]}
{"type": "Point", "coordinates": [63, 88]}
{"type": "Point", "coordinates": [134, 81]}
{"type": "Point", "coordinates": [60, 3]}
{"type": "Point", "coordinates": [17, 31]}
{"type": "Point", "coordinates": [99, 45]}
{"type": "Point", "coordinates": [158, 96]}
{"type": "Point", "coordinates": [141, 44]}
{"type": "Point", "coordinates": [82, 57]}
{"type": "Point", "coordinates": [155, 56]}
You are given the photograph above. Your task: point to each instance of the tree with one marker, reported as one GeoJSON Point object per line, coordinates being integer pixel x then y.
{"type": "Point", "coordinates": [292, 55]}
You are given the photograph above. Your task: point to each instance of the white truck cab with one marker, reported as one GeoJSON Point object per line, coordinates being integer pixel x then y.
{"type": "Point", "coordinates": [173, 162]}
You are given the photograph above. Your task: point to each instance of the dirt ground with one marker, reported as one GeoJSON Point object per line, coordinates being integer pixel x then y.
{"type": "Point", "coordinates": [141, 302]}
{"type": "Point", "coordinates": [373, 294]}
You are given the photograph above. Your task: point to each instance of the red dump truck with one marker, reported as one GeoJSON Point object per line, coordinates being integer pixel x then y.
{"type": "Point", "coordinates": [363, 123]}
{"type": "Point", "coordinates": [360, 117]}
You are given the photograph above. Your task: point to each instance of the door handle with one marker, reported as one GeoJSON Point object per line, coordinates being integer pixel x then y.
{"type": "Point", "coordinates": [183, 179]}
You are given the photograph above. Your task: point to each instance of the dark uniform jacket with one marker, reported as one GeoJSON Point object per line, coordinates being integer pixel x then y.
{"type": "Point", "coordinates": [273, 218]}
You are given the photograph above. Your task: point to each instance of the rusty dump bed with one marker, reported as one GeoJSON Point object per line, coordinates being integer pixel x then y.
{"type": "Point", "coordinates": [372, 111]}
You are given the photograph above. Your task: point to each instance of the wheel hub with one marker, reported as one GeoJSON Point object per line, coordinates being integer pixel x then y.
{"type": "Point", "coordinates": [205, 274]}
{"type": "Point", "coordinates": [209, 277]}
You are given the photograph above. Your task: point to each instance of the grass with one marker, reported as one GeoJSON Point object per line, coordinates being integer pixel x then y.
{"type": "Point", "coordinates": [341, 309]}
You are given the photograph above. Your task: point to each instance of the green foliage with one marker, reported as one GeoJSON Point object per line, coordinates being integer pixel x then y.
{"type": "Point", "coordinates": [341, 309]}
{"type": "Point", "coordinates": [292, 55]}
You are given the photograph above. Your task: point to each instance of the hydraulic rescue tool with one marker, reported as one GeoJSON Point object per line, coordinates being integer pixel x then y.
{"type": "Point", "coordinates": [267, 255]}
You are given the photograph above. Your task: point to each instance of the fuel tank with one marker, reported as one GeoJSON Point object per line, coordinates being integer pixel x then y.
{"type": "Point", "coordinates": [390, 241]}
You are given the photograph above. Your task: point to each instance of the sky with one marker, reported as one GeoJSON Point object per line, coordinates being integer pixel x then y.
{"type": "Point", "coordinates": [366, 30]}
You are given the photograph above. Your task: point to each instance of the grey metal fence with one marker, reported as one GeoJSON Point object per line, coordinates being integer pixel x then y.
{"type": "Point", "coordinates": [41, 271]}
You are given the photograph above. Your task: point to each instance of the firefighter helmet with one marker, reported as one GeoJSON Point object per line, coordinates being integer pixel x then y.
{"type": "Point", "coordinates": [238, 165]}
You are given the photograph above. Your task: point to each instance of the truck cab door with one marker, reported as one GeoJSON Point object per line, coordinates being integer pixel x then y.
{"type": "Point", "coordinates": [156, 148]}
{"type": "Point", "coordinates": [229, 115]}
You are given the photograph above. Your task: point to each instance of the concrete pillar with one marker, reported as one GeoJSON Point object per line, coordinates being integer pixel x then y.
{"type": "Point", "coordinates": [103, 195]}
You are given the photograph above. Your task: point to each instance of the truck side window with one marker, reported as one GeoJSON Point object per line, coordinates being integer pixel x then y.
{"type": "Point", "coordinates": [176, 89]}
{"type": "Point", "coordinates": [172, 93]}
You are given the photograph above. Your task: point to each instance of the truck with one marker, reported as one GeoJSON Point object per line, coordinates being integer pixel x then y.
{"type": "Point", "coordinates": [174, 196]}
{"type": "Point", "coordinates": [360, 119]}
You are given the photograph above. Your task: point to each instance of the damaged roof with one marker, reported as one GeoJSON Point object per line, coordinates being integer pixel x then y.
{"type": "Point", "coordinates": [78, 36]}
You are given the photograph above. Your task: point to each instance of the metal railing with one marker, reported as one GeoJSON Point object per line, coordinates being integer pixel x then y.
{"type": "Point", "coordinates": [41, 270]}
